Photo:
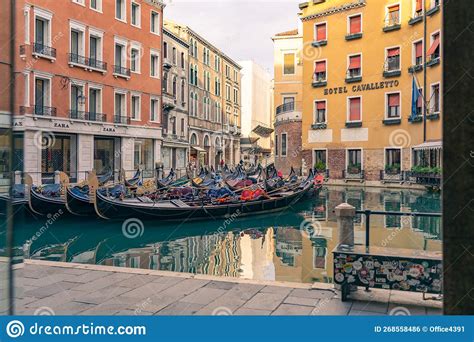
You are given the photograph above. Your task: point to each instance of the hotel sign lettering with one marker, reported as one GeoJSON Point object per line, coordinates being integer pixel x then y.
{"type": "Point", "coordinates": [358, 88]}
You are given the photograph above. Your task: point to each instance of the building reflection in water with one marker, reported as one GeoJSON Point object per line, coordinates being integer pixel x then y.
{"type": "Point", "coordinates": [282, 253]}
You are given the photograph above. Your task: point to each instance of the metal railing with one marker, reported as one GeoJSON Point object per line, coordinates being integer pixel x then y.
{"type": "Point", "coordinates": [44, 50]}
{"type": "Point", "coordinates": [78, 59]}
{"type": "Point", "coordinates": [121, 120]}
{"type": "Point", "coordinates": [368, 213]}
{"type": "Point", "coordinates": [44, 110]}
{"type": "Point", "coordinates": [392, 176]}
{"type": "Point", "coordinates": [288, 107]}
{"type": "Point", "coordinates": [97, 64]}
{"type": "Point", "coordinates": [120, 70]}
{"type": "Point", "coordinates": [88, 116]}
{"type": "Point", "coordinates": [350, 174]}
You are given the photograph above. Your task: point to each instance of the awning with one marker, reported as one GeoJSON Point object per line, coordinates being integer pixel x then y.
{"type": "Point", "coordinates": [393, 52]}
{"type": "Point", "coordinates": [355, 24]}
{"type": "Point", "coordinates": [263, 131]}
{"type": "Point", "coordinates": [320, 66]}
{"type": "Point", "coordinates": [434, 46]}
{"type": "Point", "coordinates": [429, 145]}
{"type": "Point", "coordinates": [354, 62]}
{"type": "Point", "coordinates": [198, 149]}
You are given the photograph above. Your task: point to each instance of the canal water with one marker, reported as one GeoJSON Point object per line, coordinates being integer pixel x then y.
{"type": "Point", "coordinates": [295, 245]}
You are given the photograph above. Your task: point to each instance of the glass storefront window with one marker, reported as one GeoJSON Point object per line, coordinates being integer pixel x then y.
{"type": "Point", "coordinates": [104, 155]}
{"type": "Point", "coordinates": [143, 154]}
{"type": "Point", "coordinates": [58, 155]}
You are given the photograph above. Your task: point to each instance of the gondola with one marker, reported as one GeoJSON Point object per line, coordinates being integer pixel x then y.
{"type": "Point", "coordinates": [18, 200]}
{"type": "Point", "coordinates": [144, 208]}
{"type": "Point", "coordinates": [47, 199]}
{"type": "Point", "coordinates": [165, 182]}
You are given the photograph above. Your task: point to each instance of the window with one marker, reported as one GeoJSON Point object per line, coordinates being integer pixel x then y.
{"type": "Point", "coordinates": [42, 96]}
{"type": "Point", "coordinates": [276, 145]}
{"type": "Point", "coordinates": [136, 14]}
{"type": "Point", "coordinates": [319, 159]}
{"type": "Point", "coordinates": [120, 10]}
{"type": "Point", "coordinates": [135, 104]}
{"type": "Point", "coordinates": [77, 47]}
{"type": "Point", "coordinates": [174, 87]}
{"type": "Point", "coordinates": [419, 102]}
{"type": "Point", "coordinates": [227, 71]}
{"type": "Point", "coordinates": [155, 22]}
{"type": "Point", "coordinates": [26, 99]}
{"type": "Point", "coordinates": [355, 109]}
{"type": "Point", "coordinates": [154, 110]}
{"type": "Point", "coordinates": [96, 5]}
{"type": "Point", "coordinates": [183, 61]}
{"type": "Point", "coordinates": [77, 101]}
{"type": "Point", "coordinates": [236, 96]}
{"type": "Point", "coordinates": [320, 32]}
{"type": "Point", "coordinates": [227, 92]}
{"type": "Point", "coordinates": [206, 56]}
{"type": "Point", "coordinates": [355, 24]}
{"type": "Point", "coordinates": [95, 49]}
{"type": "Point", "coordinates": [120, 55]}
{"type": "Point", "coordinates": [288, 99]}
{"type": "Point", "coordinates": [217, 86]}
{"type": "Point", "coordinates": [393, 59]}
{"type": "Point", "coordinates": [193, 139]}
{"type": "Point", "coordinates": [217, 63]}
{"type": "Point", "coordinates": [95, 103]}
{"type": "Point", "coordinates": [165, 82]}
{"type": "Point", "coordinates": [154, 65]}
{"type": "Point", "coordinates": [354, 160]}
{"type": "Point", "coordinates": [435, 98]}
{"type": "Point", "coordinates": [434, 51]}
{"type": "Point", "coordinates": [354, 69]}
{"type": "Point", "coordinates": [289, 64]}
{"type": "Point", "coordinates": [283, 144]}
{"type": "Point", "coordinates": [418, 53]}
{"type": "Point", "coordinates": [393, 160]}
{"type": "Point", "coordinates": [135, 59]}
{"type": "Point", "coordinates": [143, 154]}
{"type": "Point", "coordinates": [393, 15]}
{"type": "Point", "coordinates": [182, 127]}
{"type": "Point", "coordinates": [165, 50]}
{"type": "Point", "coordinates": [207, 81]}
{"type": "Point", "coordinates": [174, 56]}
{"type": "Point", "coordinates": [418, 8]}
{"type": "Point", "coordinates": [320, 112]}
{"type": "Point", "coordinates": [120, 107]}
{"type": "Point", "coordinates": [320, 71]}
{"type": "Point", "coordinates": [183, 92]}
{"type": "Point", "coordinates": [393, 106]}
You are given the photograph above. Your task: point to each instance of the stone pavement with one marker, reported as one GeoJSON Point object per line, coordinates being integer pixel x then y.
{"type": "Point", "coordinates": [75, 289]}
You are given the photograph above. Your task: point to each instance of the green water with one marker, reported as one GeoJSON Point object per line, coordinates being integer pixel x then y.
{"type": "Point", "coordinates": [294, 245]}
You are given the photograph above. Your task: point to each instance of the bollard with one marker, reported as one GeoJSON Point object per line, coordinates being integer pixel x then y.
{"type": "Point", "coordinates": [345, 214]}
{"type": "Point", "coordinates": [17, 179]}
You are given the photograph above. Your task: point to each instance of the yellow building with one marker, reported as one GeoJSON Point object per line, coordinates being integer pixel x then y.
{"type": "Point", "coordinates": [288, 99]}
{"type": "Point", "coordinates": [214, 100]}
{"type": "Point", "coordinates": [360, 59]}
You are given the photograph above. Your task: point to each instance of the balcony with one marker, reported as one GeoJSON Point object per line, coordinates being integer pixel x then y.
{"type": "Point", "coordinates": [415, 68]}
{"type": "Point", "coordinates": [87, 116]}
{"type": "Point", "coordinates": [392, 25]}
{"type": "Point", "coordinates": [415, 119]}
{"type": "Point", "coordinates": [319, 83]}
{"type": "Point", "coordinates": [423, 178]}
{"type": "Point", "coordinates": [353, 76]}
{"type": "Point", "coordinates": [291, 111]}
{"type": "Point", "coordinates": [77, 59]}
{"type": "Point", "coordinates": [354, 36]}
{"type": "Point", "coordinates": [434, 115]}
{"type": "Point", "coordinates": [390, 72]}
{"type": "Point", "coordinates": [353, 173]}
{"type": "Point", "coordinates": [319, 43]}
{"type": "Point", "coordinates": [392, 176]}
{"type": "Point", "coordinates": [434, 60]}
{"type": "Point", "coordinates": [44, 51]}
{"type": "Point", "coordinates": [417, 18]}
{"type": "Point", "coordinates": [392, 121]}
{"type": "Point", "coordinates": [432, 11]}
{"type": "Point", "coordinates": [120, 71]}
{"type": "Point", "coordinates": [122, 120]}
{"type": "Point", "coordinates": [39, 110]}
{"type": "Point", "coordinates": [96, 64]}
{"type": "Point", "coordinates": [286, 107]}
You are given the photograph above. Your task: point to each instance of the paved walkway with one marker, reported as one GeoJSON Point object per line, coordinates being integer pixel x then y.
{"type": "Point", "coordinates": [68, 289]}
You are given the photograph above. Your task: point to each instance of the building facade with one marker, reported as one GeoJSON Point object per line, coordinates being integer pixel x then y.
{"type": "Point", "coordinates": [372, 104]}
{"type": "Point", "coordinates": [214, 101]}
{"type": "Point", "coordinates": [256, 114]}
{"type": "Point", "coordinates": [287, 100]}
{"type": "Point", "coordinates": [88, 77]}
{"type": "Point", "coordinates": [175, 150]}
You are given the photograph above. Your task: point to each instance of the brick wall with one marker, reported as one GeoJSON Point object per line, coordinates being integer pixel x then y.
{"type": "Point", "coordinates": [294, 149]}
{"type": "Point", "coordinates": [336, 163]}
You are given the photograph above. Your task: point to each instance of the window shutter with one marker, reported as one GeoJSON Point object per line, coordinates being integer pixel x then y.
{"type": "Point", "coordinates": [354, 110]}
{"type": "Point", "coordinates": [354, 62]}
{"type": "Point", "coordinates": [355, 24]}
{"type": "Point", "coordinates": [434, 46]}
{"type": "Point", "coordinates": [320, 66]}
{"type": "Point", "coordinates": [419, 49]}
{"type": "Point", "coordinates": [394, 100]}
{"type": "Point", "coordinates": [393, 52]}
{"type": "Point", "coordinates": [320, 105]}
{"type": "Point", "coordinates": [321, 32]}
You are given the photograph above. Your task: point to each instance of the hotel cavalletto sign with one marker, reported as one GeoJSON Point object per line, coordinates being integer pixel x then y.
{"type": "Point", "coordinates": [358, 88]}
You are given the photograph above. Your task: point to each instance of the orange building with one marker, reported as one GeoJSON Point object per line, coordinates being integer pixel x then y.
{"type": "Point", "coordinates": [88, 75]}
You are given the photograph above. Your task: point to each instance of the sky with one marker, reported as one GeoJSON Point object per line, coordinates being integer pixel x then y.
{"type": "Point", "coordinates": [242, 29]}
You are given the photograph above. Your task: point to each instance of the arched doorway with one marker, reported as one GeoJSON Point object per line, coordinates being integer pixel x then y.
{"type": "Point", "coordinates": [207, 148]}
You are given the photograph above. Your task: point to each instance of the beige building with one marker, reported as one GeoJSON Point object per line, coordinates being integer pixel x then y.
{"type": "Point", "coordinates": [175, 150]}
{"type": "Point", "coordinates": [214, 100]}
{"type": "Point", "coordinates": [287, 99]}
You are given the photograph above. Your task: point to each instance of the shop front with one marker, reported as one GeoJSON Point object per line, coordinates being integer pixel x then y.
{"type": "Point", "coordinates": [143, 157]}
{"type": "Point", "coordinates": [58, 153]}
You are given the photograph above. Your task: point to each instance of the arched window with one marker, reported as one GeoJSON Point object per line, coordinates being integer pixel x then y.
{"type": "Point", "coordinates": [206, 141]}
{"type": "Point", "coordinates": [165, 82]}
{"type": "Point", "coordinates": [174, 86]}
{"type": "Point", "coordinates": [194, 140]}
{"type": "Point", "coordinates": [183, 91]}
{"type": "Point", "coordinates": [218, 142]}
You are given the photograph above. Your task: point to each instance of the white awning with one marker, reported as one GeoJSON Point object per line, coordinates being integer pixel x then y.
{"type": "Point", "coordinates": [429, 145]}
{"type": "Point", "coordinates": [198, 149]}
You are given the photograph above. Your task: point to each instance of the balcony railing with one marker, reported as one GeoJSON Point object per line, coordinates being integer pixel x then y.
{"type": "Point", "coordinates": [44, 110]}
{"type": "Point", "coordinates": [77, 59]}
{"type": "Point", "coordinates": [353, 174]}
{"type": "Point", "coordinates": [430, 179]}
{"type": "Point", "coordinates": [286, 107]}
{"type": "Point", "coordinates": [124, 120]}
{"type": "Point", "coordinates": [391, 176]}
{"type": "Point", "coordinates": [44, 50]}
{"type": "Point", "coordinates": [120, 70]}
{"type": "Point", "coordinates": [97, 64]}
{"type": "Point", "coordinates": [88, 116]}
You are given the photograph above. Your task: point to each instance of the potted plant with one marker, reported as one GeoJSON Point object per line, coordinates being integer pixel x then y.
{"type": "Point", "coordinates": [354, 168]}
{"type": "Point", "coordinates": [320, 166]}
{"type": "Point", "coordinates": [393, 169]}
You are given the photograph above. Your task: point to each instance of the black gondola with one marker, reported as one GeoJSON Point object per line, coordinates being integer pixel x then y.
{"type": "Point", "coordinates": [178, 210]}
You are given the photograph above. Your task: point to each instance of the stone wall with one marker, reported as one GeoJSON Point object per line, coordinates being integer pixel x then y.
{"type": "Point", "coordinates": [294, 149]}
